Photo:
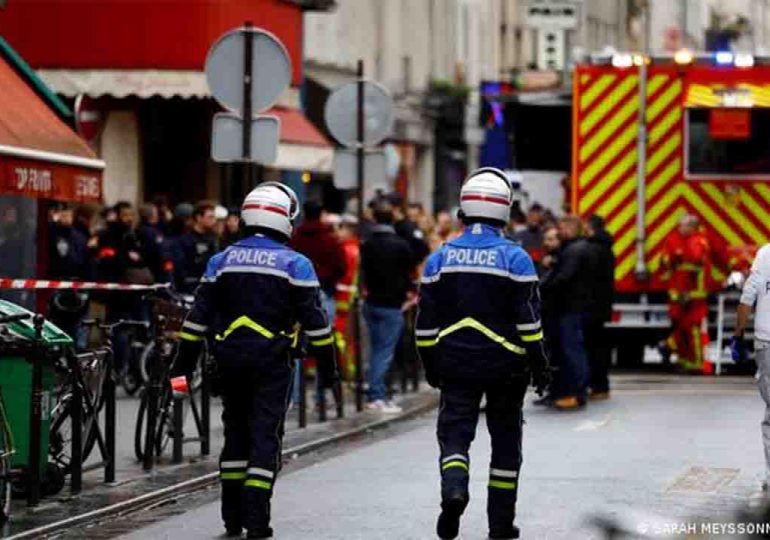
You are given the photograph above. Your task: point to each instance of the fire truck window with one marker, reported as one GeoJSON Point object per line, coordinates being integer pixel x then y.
{"type": "Point", "coordinates": [733, 142]}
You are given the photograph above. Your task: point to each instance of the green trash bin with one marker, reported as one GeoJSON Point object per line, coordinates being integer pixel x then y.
{"type": "Point", "coordinates": [16, 384]}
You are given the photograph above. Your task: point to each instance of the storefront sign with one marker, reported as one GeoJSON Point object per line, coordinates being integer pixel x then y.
{"type": "Point", "coordinates": [49, 181]}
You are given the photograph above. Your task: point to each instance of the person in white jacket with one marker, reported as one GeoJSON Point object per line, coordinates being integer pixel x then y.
{"type": "Point", "coordinates": [756, 295]}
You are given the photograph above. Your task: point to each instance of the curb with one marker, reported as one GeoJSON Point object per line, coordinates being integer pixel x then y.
{"type": "Point", "coordinates": [170, 492]}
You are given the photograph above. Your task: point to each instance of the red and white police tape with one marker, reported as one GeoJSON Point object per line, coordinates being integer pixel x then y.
{"type": "Point", "coordinates": [9, 283]}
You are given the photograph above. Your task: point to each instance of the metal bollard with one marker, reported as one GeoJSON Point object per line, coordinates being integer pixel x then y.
{"type": "Point", "coordinates": [76, 415]}
{"type": "Point", "coordinates": [205, 411]}
{"type": "Point", "coordinates": [321, 402]}
{"type": "Point", "coordinates": [358, 359]}
{"type": "Point", "coordinates": [35, 416]}
{"type": "Point", "coordinates": [178, 417]}
{"type": "Point", "coordinates": [109, 427]}
{"type": "Point", "coordinates": [339, 398]}
{"type": "Point", "coordinates": [302, 391]}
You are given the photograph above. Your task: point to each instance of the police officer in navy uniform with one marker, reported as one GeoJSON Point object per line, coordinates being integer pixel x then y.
{"type": "Point", "coordinates": [479, 333]}
{"type": "Point", "coordinates": [249, 303]}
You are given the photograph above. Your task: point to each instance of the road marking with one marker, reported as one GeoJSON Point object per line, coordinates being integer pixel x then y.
{"type": "Point", "coordinates": [704, 479]}
{"type": "Point", "coordinates": [592, 425]}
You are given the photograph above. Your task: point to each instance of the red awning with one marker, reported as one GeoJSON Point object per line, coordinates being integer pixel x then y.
{"type": "Point", "coordinates": [296, 128]}
{"type": "Point", "coordinates": [40, 156]}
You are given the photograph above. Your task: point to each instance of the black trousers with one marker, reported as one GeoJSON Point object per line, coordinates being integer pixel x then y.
{"type": "Point", "coordinates": [458, 417]}
{"type": "Point", "coordinates": [255, 400]}
{"type": "Point", "coordinates": [599, 355]}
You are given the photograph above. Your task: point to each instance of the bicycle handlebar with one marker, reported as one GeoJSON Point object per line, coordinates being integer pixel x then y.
{"type": "Point", "coordinates": [8, 319]}
{"type": "Point", "coordinates": [111, 327]}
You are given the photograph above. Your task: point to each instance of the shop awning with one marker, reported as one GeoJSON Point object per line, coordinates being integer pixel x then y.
{"type": "Point", "coordinates": [40, 156]}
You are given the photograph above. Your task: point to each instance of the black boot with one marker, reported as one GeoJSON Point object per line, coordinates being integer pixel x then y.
{"type": "Point", "coordinates": [508, 532]}
{"type": "Point", "coordinates": [267, 532]}
{"type": "Point", "coordinates": [233, 532]}
{"type": "Point", "coordinates": [452, 507]}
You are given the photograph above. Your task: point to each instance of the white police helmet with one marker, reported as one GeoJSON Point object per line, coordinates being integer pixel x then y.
{"type": "Point", "coordinates": [271, 205]}
{"type": "Point", "coordinates": [487, 194]}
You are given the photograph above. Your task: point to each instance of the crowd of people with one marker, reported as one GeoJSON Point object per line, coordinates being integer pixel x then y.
{"type": "Point", "coordinates": [157, 244]}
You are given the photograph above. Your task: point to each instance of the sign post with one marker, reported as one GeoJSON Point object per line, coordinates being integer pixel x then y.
{"type": "Point", "coordinates": [359, 115]}
{"type": "Point", "coordinates": [241, 134]}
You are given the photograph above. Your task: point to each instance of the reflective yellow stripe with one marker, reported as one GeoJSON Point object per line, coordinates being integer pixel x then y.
{"type": "Point", "coordinates": [533, 337]}
{"type": "Point", "coordinates": [470, 322]}
{"type": "Point", "coordinates": [232, 475]}
{"type": "Point", "coordinates": [322, 342]}
{"type": "Point", "coordinates": [453, 464]}
{"type": "Point", "coordinates": [244, 321]}
{"type": "Point", "coordinates": [189, 337]}
{"type": "Point", "coordinates": [261, 484]}
{"type": "Point", "coordinates": [427, 342]}
{"type": "Point", "coordinates": [502, 485]}
{"type": "Point", "coordinates": [690, 267]}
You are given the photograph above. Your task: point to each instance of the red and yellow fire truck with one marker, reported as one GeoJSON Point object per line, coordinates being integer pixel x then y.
{"type": "Point", "coordinates": [654, 138]}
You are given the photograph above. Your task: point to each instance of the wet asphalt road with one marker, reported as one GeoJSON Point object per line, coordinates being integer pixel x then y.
{"type": "Point", "coordinates": [671, 447]}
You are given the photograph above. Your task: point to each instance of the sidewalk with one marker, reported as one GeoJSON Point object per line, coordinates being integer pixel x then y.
{"type": "Point", "coordinates": [134, 488]}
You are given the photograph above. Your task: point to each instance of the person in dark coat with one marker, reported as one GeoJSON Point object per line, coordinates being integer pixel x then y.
{"type": "Point", "coordinates": [549, 307]}
{"type": "Point", "coordinates": [602, 269]}
{"type": "Point", "coordinates": [387, 267]}
{"type": "Point", "coordinates": [407, 229]}
{"type": "Point", "coordinates": [570, 283]}
{"type": "Point", "coordinates": [197, 246]}
{"type": "Point", "coordinates": [316, 241]}
{"type": "Point", "coordinates": [68, 255]}
{"type": "Point", "coordinates": [152, 237]}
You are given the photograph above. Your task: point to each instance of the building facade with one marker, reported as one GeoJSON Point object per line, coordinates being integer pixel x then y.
{"type": "Point", "coordinates": [427, 53]}
{"type": "Point", "coordinates": [134, 71]}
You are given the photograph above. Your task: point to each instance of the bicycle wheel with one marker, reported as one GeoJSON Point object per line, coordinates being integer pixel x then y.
{"type": "Point", "coordinates": [6, 449]}
{"type": "Point", "coordinates": [60, 434]}
{"type": "Point", "coordinates": [5, 488]}
{"type": "Point", "coordinates": [163, 424]}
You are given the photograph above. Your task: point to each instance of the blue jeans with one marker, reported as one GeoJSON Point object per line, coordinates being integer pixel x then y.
{"type": "Point", "coordinates": [385, 326]}
{"type": "Point", "coordinates": [574, 375]}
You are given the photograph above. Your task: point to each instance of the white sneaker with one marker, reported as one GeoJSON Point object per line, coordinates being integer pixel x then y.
{"type": "Point", "coordinates": [386, 407]}
{"type": "Point", "coordinates": [391, 408]}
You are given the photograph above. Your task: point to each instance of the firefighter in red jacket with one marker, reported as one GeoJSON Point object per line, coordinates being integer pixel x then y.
{"type": "Point", "coordinates": [345, 295]}
{"type": "Point", "coordinates": [687, 261]}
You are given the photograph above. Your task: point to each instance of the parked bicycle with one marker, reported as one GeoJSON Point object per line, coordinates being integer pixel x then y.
{"type": "Point", "coordinates": [6, 441]}
{"type": "Point", "coordinates": [154, 423]}
{"type": "Point", "coordinates": [93, 367]}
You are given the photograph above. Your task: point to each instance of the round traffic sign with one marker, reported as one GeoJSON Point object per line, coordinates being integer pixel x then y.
{"type": "Point", "coordinates": [341, 117]}
{"type": "Point", "coordinates": [270, 65]}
